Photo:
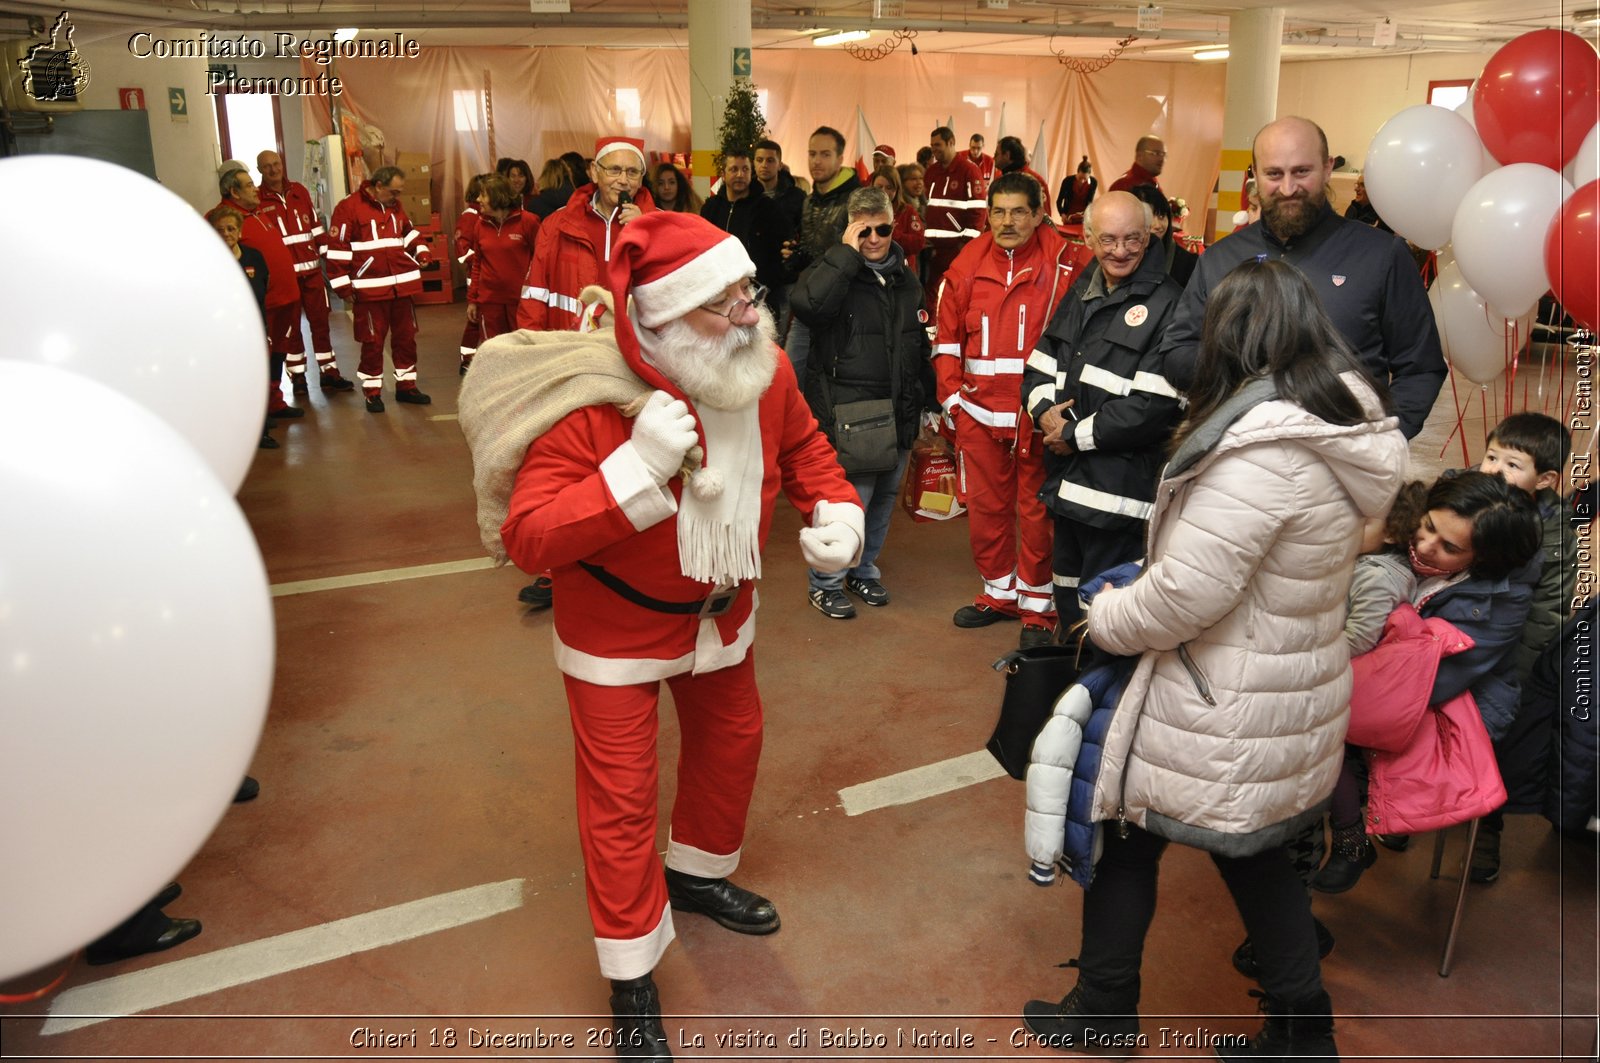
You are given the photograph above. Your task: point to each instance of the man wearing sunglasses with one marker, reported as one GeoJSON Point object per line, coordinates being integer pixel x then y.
{"type": "Point", "coordinates": [645, 463]}
{"type": "Point", "coordinates": [869, 341]}
{"type": "Point", "coordinates": [998, 296]}
{"type": "Point", "coordinates": [575, 242]}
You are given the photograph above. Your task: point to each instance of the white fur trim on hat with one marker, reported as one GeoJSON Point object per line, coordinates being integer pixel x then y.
{"type": "Point", "coordinates": [693, 284]}
{"type": "Point", "coordinates": [618, 145]}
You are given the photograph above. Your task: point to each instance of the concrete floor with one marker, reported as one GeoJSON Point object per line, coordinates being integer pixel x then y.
{"type": "Point", "coordinates": [417, 745]}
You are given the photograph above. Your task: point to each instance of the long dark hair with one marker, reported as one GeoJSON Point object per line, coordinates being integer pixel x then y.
{"type": "Point", "coordinates": [1505, 522]}
{"type": "Point", "coordinates": [1264, 320]}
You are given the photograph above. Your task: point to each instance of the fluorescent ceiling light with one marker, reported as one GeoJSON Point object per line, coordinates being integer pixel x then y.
{"type": "Point", "coordinates": [841, 37]}
{"type": "Point", "coordinates": [346, 34]}
{"type": "Point", "coordinates": [1209, 54]}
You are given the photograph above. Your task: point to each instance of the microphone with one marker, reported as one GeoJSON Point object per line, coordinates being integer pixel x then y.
{"type": "Point", "coordinates": [623, 199]}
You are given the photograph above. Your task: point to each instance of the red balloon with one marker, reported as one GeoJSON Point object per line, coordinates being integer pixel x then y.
{"type": "Point", "coordinates": [1536, 98]}
{"type": "Point", "coordinates": [1572, 255]}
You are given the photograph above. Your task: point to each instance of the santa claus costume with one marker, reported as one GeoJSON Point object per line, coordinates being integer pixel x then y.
{"type": "Point", "coordinates": [656, 570]}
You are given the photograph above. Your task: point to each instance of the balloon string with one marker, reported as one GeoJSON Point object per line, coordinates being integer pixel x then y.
{"type": "Point", "coordinates": [27, 998]}
{"type": "Point", "coordinates": [1483, 406]}
{"type": "Point", "coordinates": [1460, 427]}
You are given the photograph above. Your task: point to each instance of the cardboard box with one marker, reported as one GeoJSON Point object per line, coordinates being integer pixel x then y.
{"type": "Point", "coordinates": [418, 207]}
{"type": "Point", "coordinates": [417, 165]}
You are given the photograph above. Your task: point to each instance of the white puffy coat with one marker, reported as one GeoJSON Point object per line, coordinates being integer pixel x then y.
{"type": "Point", "coordinates": [1233, 724]}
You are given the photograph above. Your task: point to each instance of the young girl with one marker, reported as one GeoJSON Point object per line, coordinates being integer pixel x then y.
{"type": "Point", "coordinates": [1383, 579]}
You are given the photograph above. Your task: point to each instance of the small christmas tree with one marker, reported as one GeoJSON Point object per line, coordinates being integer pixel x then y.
{"type": "Point", "coordinates": [742, 122]}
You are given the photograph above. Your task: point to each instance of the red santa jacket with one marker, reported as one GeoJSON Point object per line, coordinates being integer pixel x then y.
{"type": "Point", "coordinates": [573, 249]}
{"type": "Point", "coordinates": [260, 231]}
{"type": "Point", "coordinates": [374, 254]}
{"type": "Point", "coordinates": [578, 498]}
{"type": "Point", "coordinates": [993, 307]}
{"type": "Point", "coordinates": [298, 222]}
{"type": "Point", "coordinates": [956, 205]}
{"type": "Point", "coordinates": [500, 254]}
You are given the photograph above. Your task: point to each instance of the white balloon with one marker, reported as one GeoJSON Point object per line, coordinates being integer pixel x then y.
{"type": "Point", "coordinates": [1474, 335]}
{"type": "Point", "coordinates": [136, 657]}
{"type": "Point", "coordinates": [1499, 230]}
{"type": "Point", "coordinates": [146, 299]}
{"type": "Point", "coordinates": [1490, 163]}
{"type": "Point", "coordinates": [1585, 166]}
{"type": "Point", "coordinates": [1419, 165]}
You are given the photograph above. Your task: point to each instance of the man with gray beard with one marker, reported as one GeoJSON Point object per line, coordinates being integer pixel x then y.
{"type": "Point", "coordinates": [641, 465]}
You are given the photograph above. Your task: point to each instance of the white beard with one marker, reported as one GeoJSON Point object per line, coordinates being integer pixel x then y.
{"type": "Point", "coordinates": [729, 373]}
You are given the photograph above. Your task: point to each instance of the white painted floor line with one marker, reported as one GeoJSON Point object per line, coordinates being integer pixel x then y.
{"type": "Point", "coordinates": [445, 417]}
{"type": "Point", "coordinates": [169, 983]}
{"type": "Point", "coordinates": [387, 575]}
{"type": "Point", "coordinates": [930, 780]}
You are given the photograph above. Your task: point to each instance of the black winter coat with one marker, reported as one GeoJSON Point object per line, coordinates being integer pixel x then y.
{"type": "Point", "coordinates": [1562, 686]}
{"type": "Point", "coordinates": [869, 337]}
{"type": "Point", "coordinates": [759, 224]}
{"type": "Point", "coordinates": [1103, 351]}
{"type": "Point", "coordinates": [822, 222]}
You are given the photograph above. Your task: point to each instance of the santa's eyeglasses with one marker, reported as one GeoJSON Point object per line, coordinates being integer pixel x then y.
{"type": "Point", "coordinates": [749, 295]}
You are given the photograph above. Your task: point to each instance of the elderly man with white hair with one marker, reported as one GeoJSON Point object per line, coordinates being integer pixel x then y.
{"type": "Point", "coordinates": [640, 464]}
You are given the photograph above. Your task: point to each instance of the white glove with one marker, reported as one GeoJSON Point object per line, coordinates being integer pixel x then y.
{"type": "Point", "coordinates": [830, 548]}
{"type": "Point", "coordinates": [662, 434]}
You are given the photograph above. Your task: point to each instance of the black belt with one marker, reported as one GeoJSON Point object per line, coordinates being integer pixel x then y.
{"type": "Point", "coordinates": [718, 603]}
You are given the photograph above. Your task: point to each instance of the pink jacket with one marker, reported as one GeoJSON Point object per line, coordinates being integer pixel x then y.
{"type": "Point", "coordinates": [1431, 766]}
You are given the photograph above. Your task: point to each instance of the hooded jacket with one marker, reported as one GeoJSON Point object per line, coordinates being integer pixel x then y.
{"type": "Point", "coordinates": [868, 338]}
{"type": "Point", "coordinates": [993, 307]}
{"type": "Point", "coordinates": [571, 253]}
{"type": "Point", "coordinates": [374, 254]}
{"type": "Point", "coordinates": [1232, 727]}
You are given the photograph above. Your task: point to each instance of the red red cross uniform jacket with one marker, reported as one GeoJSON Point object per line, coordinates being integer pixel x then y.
{"type": "Point", "coordinates": [501, 252]}
{"type": "Point", "coordinates": [299, 224]}
{"type": "Point", "coordinates": [374, 253]}
{"type": "Point", "coordinates": [993, 308]}
{"type": "Point", "coordinates": [572, 252]}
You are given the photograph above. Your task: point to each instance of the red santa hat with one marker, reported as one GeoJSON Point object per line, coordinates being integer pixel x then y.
{"type": "Point", "coordinates": [672, 263]}
{"type": "Point", "coordinates": [604, 146]}
{"type": "Point", "coordinates": [885, 150]}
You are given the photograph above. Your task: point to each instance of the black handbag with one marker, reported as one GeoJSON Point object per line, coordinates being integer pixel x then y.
{"type": "Point", "coordinates": [865, 436]}
{"type": "Point", "coordinates": [1035, 678]}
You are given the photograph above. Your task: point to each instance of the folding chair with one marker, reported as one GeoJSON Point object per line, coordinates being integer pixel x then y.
{"type": "Point", "coordinates": [1461, 891]}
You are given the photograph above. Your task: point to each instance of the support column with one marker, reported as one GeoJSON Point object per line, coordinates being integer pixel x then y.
{"type": "Point", "coordinates": [1255, 42]}
{"type": "Point", "coordinates": [719, 38]}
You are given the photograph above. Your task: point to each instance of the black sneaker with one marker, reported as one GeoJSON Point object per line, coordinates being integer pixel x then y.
{"type": "Point", "coordinates": [540, 594]}
{"type": "Point", "coordinates": [980, 616]}
{"type": "Point", "coordinates": [831, 603]}
{"type": "Point", "coordinates": [1485, 866]}
{"type": "Point", "coordinates": [267, 442]}
{"type": "Point", "coordinates": [374, 403]}
{"type": "Point", "coordinates": [1035, 635]}
{"type": "Point", "coordinates": [297, 382]}
{"type": "Point", "coordinates": [332, 381]}
{"type": "Point", "coordinates": [868, 590]}
{"type": "Point", "coordinates": [412, 395]}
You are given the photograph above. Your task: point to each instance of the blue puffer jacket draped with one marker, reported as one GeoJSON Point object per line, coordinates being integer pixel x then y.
{"type": "Point", "coordinates": [1058, 827]}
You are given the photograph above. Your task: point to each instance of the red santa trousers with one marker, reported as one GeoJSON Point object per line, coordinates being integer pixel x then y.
{"type": "Point", "coordinates": [314, 302]}
{"type": "Point", "coordinates": [614, 730]}
{"type": "Point", "coordinates": [392, 319]}
{"type": "Point", "coordinates": [1009, 527]}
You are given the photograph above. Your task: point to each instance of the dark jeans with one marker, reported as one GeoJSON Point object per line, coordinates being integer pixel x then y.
{"type": "Point", "coordinates": [1118, 907]}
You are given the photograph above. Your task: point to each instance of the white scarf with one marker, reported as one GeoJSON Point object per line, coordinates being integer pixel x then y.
{"type": "Point", "coordinates": [719, 521]}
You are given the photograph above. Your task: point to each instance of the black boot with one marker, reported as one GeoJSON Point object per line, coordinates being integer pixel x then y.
{"type": "Point", "coordinates": [1088, 1019]}
{"type": "Point", "coordinates": [1352, 854]}
{"type": "Point", "coordinates": [636, 1020]}
{"type": "Point", "coordinates": [1294, 1031]}
{"type": "Point", "coordinates": [1244, 957]}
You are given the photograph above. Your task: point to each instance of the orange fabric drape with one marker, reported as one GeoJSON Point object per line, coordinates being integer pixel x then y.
{"type": "Point", "coordinates": [551, 100]}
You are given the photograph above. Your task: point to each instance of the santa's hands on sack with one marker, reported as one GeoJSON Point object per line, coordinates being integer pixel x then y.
{"type": "Point", "coordinates": [833, 542]}
{"type": "Point", "coordinates": [1120, 576]}
{"type": "Point", "coordinates": [662, 434]}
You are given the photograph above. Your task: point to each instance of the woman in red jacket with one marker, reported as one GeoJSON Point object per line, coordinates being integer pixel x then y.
{"type": "Point", "coordinates": [907, 219]}
{"type": "Point", "coordinates": [501, 250]}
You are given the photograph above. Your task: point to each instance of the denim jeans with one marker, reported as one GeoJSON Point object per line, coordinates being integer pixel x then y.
{"type": "Point", "coordinates": [797, 345]}
{"type": "Point", "coordinates": [878, 491]}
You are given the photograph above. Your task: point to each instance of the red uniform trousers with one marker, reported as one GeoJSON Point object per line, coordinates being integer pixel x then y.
{"type": "Point", "coordinates": [314, 303]}
{"type": "Point", "coordinates": [1009, 527]}
{"type": "Point", "coordinates": [471, 336]}
{"type": "Point", "coordinates": [283, 332]}
{"type": "Point", "coordinates": [614, 730]}
{"type": "Point", "coordinates": [495, 319]}
{"type": "Point", "coordinates": [396, 321]}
